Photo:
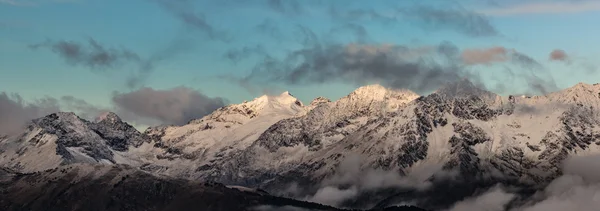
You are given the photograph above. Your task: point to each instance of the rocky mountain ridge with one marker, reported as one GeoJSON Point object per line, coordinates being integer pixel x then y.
{"type": "Point", "coordinates": [276, 142]}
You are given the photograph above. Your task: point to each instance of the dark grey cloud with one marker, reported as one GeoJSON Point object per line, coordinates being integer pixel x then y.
{"type": "Point", "coordinates": [539, 80]}
{"type": "Point", "coordinates": [15, 112]}
{"type": "Point", "coordinates": [93, 55]}
{"type": "Point", "coordinates": [455, 18]}
{"type": "Point", "coordinates": [183, 10]}
{"type": "Point", "coordinates": [174, 106]}
{"type": "Point", "coordinates": [81, 107]}
{"type": "Point", "coordinates": [392, 65]}
{"type": "Point", "coordinates": [101, 59]}
{"type": "Point", "coordinates": [421, 69]}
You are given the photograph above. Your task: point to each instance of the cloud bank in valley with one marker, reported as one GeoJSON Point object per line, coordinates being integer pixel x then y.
{"type": "Point", "coordinates": [576, 189]}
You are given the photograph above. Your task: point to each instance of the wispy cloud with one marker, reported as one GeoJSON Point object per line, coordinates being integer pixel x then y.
{"type": "Point", "coordinates": [545, 8]}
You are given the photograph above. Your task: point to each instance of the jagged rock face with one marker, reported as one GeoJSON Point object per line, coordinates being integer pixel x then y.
{"type": "Point", "coordinates": [118, 134]}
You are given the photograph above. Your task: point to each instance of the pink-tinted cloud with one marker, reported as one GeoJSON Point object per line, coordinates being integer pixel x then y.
{"type": "Point", "coordinates": [558, 55]}
{"type": "Point", "coordinates": [484, 56]}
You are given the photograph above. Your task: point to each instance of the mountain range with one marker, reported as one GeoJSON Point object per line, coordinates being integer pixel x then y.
{"type": "Point", "coordinates": [372, 149]}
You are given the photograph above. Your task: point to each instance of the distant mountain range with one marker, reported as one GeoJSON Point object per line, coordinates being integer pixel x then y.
{"type": "Point", "coordinates": [374, 148]}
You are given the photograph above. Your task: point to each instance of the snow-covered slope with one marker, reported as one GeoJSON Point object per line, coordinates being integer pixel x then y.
{"type": "Point", "coordinates": [290, 142]}
{"type": "Point", "coordinates": [229, 129]}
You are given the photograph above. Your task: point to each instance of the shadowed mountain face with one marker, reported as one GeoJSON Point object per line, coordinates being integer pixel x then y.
{"type": "Point", "coordinates": [375, 147]}
{"type": "Point", "coordinates": [101, 187]}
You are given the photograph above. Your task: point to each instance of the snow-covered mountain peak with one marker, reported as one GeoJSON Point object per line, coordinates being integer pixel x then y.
{"type": "Point", "coordinates": [319, 100]}
{"type": "Point", "coordinates": [581, 93]}
{"type": "Point", "coordinates": [264, 101]}
{"type": "Point", "coordinates": [61, 120]}
{"type": "Point", "coordinates": [374, 91]}
{"type": "Point", "coordinates": [109, 117]}
{"type": "Point", "coordinates": [65, 116]}
{"type": "Point", "coordinates": [287, 99]}
{"type": "Point", "coordinates": [365, 96]}
{"type": "Point", "coordinates": [379, 93]}
{"type": "Point", "coordinates": [286, 93]}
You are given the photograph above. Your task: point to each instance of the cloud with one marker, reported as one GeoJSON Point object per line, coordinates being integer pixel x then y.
{"type": "Point", "coordinates": [15, 112]}
{"type": "Point", "coordinates": [558, 55]}
{"type": "Point", "coordinates": [173, 106]}
{"type": "Point", "coordinates": [101, 59]}
{"type": "Point", "coordinates": [494, 199]}
{"type": "Point", "coordinates": [548, 7]}
{"type": "Point", "coordinates": [484, 56]}
{"type": "Point", "coordinates": [94, 55]}
{"type": "Point", "coordinates": [350, 180]}
{"type": "Point", "coordinates": [392, 65]}
{"type": "Point", "coordinates": [183, 10]}
{"type": "Point", "coordinates": [460, 19]}
{"type": "Point", "coordinates": [579, 62]}
{"type": "Point", "coordinates": [421, 69]}
{"type": "Point", "coordinates": [577, 189]}
{"type": "Point", "coordinates": [537, 79]}
{"type": "Point", "coordinates": [333, 195]}
{"type": "Point", "coordinates": [81, 107]}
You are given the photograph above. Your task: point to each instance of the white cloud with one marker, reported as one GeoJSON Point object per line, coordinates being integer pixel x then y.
{"type": "Point", "coordinates": [493, 200]}
{"type": "Point", "coordinates": [545, 8]}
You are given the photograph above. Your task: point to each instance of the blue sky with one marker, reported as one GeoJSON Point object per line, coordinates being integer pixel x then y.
{"type": "Point", "coordinates": [191, 38]}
